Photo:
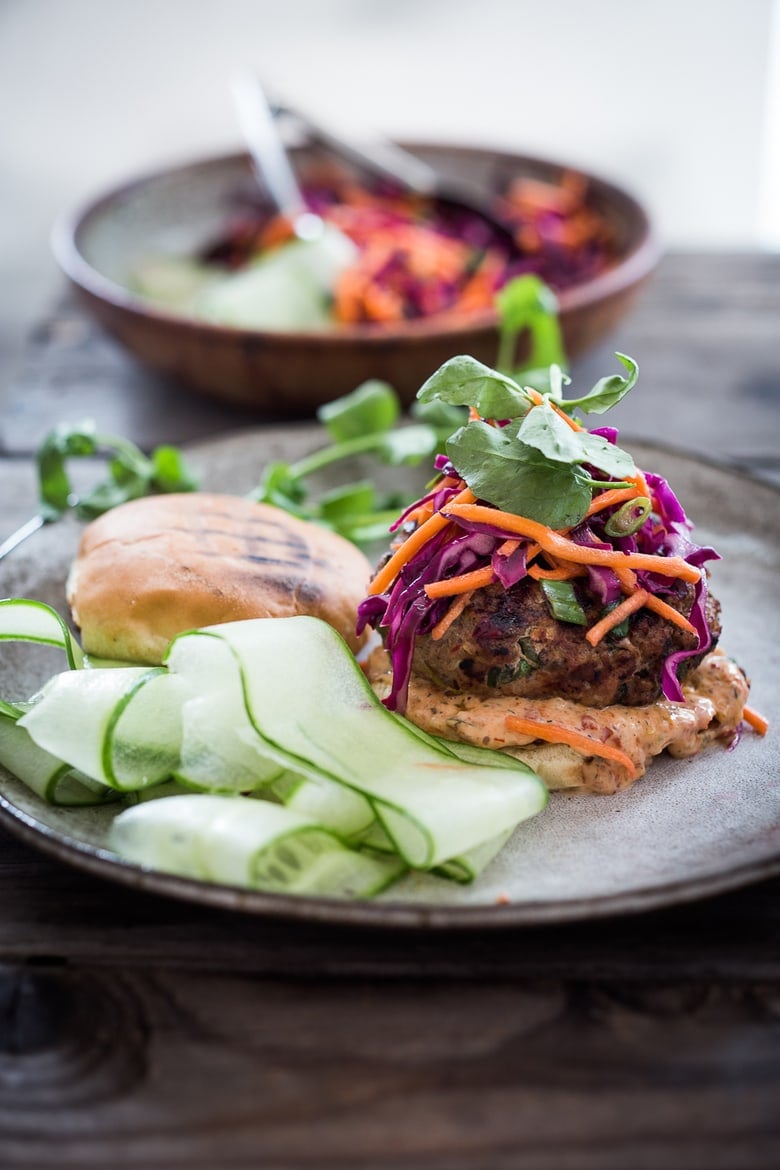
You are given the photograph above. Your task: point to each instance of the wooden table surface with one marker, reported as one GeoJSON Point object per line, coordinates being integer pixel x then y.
{"type": "Point", "coordinates": [140, 1031]}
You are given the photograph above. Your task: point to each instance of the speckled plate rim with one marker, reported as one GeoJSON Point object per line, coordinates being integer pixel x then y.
{"type": "Point", "coordinates": [389, 914]}
{"type": "Point", "coordinates": [385, 915]}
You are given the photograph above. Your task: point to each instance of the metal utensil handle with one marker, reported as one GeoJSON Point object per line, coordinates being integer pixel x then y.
{"type": "Point", "coordinates": [389, 161]}
{"type": "Point", "coordinates": [384, 158]}
{"type": "Point", "coordinates": [265, 146]}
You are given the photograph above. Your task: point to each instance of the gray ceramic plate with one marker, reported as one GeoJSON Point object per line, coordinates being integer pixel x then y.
{"type": "Point", "coordinates": [687, 830]}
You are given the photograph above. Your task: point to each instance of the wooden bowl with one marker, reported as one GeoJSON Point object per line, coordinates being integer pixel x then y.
{"type": "Point", "coordinates": [289, 374]}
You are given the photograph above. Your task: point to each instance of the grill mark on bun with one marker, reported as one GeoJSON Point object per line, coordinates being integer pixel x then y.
{"type": "Point", "coordinates": [153, 567]}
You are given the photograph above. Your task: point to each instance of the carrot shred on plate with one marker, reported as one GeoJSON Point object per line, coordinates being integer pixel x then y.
{"type": "Point", "coordinates": [664, 610]}
{"type": "Point", "coordinates": [563, 571]}
{"type": "Point", "coordinates": [754, 719]}
{"type": "Point", "coordinates": [556, 733]}
{"type": "Point", "coordinates": [611, 496]}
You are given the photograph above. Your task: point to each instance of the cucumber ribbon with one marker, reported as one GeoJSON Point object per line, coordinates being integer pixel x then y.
{"type": "Point", "coordinates": [290, 774]}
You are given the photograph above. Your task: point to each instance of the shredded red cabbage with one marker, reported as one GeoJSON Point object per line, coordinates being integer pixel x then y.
{"type": "Point", "coordinates": [405, 611]}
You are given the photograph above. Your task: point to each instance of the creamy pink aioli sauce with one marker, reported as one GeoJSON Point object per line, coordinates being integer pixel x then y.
{"type": "Point", "coordinates": [715, 695]}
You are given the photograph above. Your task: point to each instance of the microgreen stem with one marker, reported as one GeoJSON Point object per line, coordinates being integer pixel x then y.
{"type": "Point", "coordinates": [506, 350]}
{"type": "Point", "coordinates": [323, 458]}
{"type": "Point", "coordinates": [602, 483]}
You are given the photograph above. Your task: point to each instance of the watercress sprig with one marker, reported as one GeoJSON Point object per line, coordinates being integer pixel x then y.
{"type": "Point", "coordinates": [364, 422]}
{"type": "Point", "coordinates": [131, 474]}
{"type": "Point", "coordinates": [535, 463]}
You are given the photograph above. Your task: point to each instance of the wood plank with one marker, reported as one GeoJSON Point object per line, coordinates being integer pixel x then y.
{"type": "Point", "coordinates": [100, 1067]}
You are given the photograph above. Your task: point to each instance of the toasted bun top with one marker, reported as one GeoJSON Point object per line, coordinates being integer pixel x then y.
{"type": "Point", "coordinates": [154, 567]}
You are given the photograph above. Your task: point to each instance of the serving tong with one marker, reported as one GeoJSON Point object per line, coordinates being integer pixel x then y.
{"type": "Point", "coordinates": [386, 160]}
{"type": "Point", "coordinates": [258, 116]}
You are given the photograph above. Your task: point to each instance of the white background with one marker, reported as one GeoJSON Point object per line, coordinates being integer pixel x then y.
{"type": "Point", "coordinates": [677, 99]}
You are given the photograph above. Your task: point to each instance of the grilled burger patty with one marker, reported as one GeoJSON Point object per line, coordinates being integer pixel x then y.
{"type": "Point", "coordinates": [508, 642]}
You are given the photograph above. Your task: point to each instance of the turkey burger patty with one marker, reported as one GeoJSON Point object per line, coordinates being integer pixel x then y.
{"type": "Point", "coordinates": [506, 641]}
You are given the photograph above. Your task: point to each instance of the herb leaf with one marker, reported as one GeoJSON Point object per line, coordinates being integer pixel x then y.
{"type": "Point", "coordinates": [608, 391]}
{"type": "Point", "coordinates": [130, 473]}
{"type": "Point", "coordinates": [546, 430]}
{"type": "Point", "coordinates": [464, 381]}
{"type": "Point", "coordinates": [527, 303]}
{"type": "Point", "coordinates": [516, 477]}
{"type": "Point", "coordinates": [373, 407]}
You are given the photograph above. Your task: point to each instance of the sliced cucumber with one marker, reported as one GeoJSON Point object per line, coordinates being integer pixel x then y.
{"type": "Point", "coordinates": [290, 287]}
{"type": "Point", "coordinates": [315, 712]}
{"type": "Point", "coordinates": [470, 865]}
{"type": "Point", "coordinates": [120, 726]}
{"type": "Point", "coordinates": [219, 748]}
{"type": "Point", "coordinates": [53, 780]}
{"type": "Point", "coordinates": [32, 621]}
{"type": "Point", "coordinates": [175, 281]}
{"type": "Point", "coordinates": [352, 795]}
{"type": "Point", "coordinates": [340, 809]}
{"type": "Point", "coordinates": [245, 842]}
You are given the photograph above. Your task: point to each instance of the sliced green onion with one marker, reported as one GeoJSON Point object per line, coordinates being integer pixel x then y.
{"type": "Point", "coordinates": [563, 602]}
{"type": "Point", "coordinates": [629, 518]}
{"type": "Point", "coordinates": [621, 629]}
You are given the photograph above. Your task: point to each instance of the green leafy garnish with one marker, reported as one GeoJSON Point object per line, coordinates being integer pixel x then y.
{"type": "Point", "coordinates": [373, 408]}
{"type": "Point", "coordinates": [607, 392]}
{"type": "Point", "coordinates": [535, 464]}
{"type": "Point", "coordinates": [528, 304]}
{"type": "Point", "coordinates": [364, 422]}
{"type": "Point", "coordinates": [131, 474]}
{"type": "Point", "coordinates": [516, 477]}
{"type": "Point", "coordinates": [464, 381]}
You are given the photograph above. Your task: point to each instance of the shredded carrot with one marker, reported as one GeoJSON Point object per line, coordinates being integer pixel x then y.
{"type": "Point", "coordinates": [555, 733]}
{"type": "Point", "coordinates": [538, 399]}
{"type": "Point", "coordinates": [388, 573]}
{"type": "Point", "coordinates": [630, 605]}
{"type": "Point", "coordinates": [641, 484]}
{"type": "Point", "coordinates": [420, 515]}
{"type": "Point", "coordinates": [758, 722]}
{"type": "Point", "coordinates": [454, 612]}
{"type": "Point", "coordinates": [508, 547]}
{"type": "Point", "coordinates": [570, 422]}
{"type": "Point", "coordinates": [611, 496]}
{"type": "Point", "coordinates": [278, 230]}
{"type": "Point", "coordinates": [626, 577]}
{"type": "Point", "coordinates": [664, 610]}
{"type": "Point", "coordinates": [465, 583]}
{"type": "Point", "coordinates": [553, 542]}
{"type": "Point", "coordinates": [564, 571]}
